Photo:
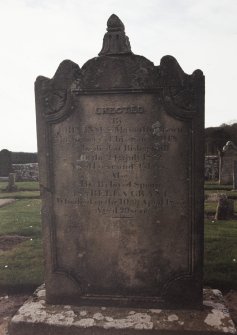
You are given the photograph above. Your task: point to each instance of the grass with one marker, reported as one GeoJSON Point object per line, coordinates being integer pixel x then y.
{"type": "Point", "coordinates": [210, 207]}
{"type": "Point", "coordinates": [220, 260]}
{"type": "Point", "coordinates": [25, 190]}
{"type": "Point", "coordinates": [22, 185]}
{"type": "Point", "coordinates": [230, 194]}
{"type": "Point", "coordinates": [214, 187]}
{"type": "Point", "coordinates": [21, 217]}
{"type": "Point", "coordinates": [20, 195]}
{"type": "Point", "coordinates": [21, 268]}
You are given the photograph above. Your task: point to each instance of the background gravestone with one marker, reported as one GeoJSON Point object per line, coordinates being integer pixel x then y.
{"type": "Point", "coordinates": [5, 163]}
{"type": "Point", "coordinates": [120, 145]}
{"type": "Point", "coordinates": [235, 175]}
{"type": "Point", "coordinates": [227, 158]}
{"type": "Point", "coordinates": [225, 208]}
{"type": "Point", "coordinates": [11, 187]}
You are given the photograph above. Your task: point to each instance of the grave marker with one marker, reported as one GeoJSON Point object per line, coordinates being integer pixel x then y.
{"type": "Point", "coordinates": [5, 163]}
{"type": "Point", "coordinates": [120, 145]}
{"type": "Point", "coordinates": [235, 175]}
{"type": "Point", "coordinates": [227, 159]}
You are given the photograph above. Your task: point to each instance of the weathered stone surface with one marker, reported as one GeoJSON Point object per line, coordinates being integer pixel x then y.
{"type": "Point", "coordinates": [235, 175]}
{"type": "Point", "coordinates": [115, 41]}
{"type": "Point", "coordinates": [120, 145]}
{"type": "Point", "coordinates": [225, 208]}
{"type": "Point", "coordinates": [227, 159]}
{"type": "Point", "coordinates": [11, 187]}
{"type": "Point", "coordinates": [211, 167]}
{"type": "Point", "coordinates": [38, 318]}
{"type": "Point", "coordinates": [5, 163]}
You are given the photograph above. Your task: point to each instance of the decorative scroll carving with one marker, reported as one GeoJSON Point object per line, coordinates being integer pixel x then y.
{"type": "Point", "coordinates": [180, 91]}
{"type": "Point", "coordinates": [58, 104]}
{"type": "Point", "coordinates": [55, 99]}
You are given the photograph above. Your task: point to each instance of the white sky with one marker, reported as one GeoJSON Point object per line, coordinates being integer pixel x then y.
{"type": "Point", "coordinates": [36, 35]}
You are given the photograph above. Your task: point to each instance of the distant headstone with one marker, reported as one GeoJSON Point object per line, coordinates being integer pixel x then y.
{"type": "Point", "coordinates": [211, 167]}
{"type": "Point", "coordinates": [5, 163]}
{"type": "Point", "coordinates": [227, 158]}
{"type": "Point", "coordinates": [121, 171]}
{"type": "Point", "coordinates": [235, 176]}
{"type": "Point", "coordinates": [11, 187]}
{"type": "Point", "coordinates": [225, 208]}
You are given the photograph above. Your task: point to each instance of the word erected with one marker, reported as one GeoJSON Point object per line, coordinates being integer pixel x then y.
{"type": "Point", "coordinates": [120, 110]}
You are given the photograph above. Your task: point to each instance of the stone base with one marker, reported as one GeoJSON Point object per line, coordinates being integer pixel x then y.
{"type": "Point", "coordinates": [38, 318]}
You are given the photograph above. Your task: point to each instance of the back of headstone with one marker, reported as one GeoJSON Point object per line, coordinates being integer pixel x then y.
{"type": "Point", "coordinates": [235, 175]}
{"type": "Point", "coordinates": [5, 163]}
{"type": "Point", "coordinates": [120, 145]}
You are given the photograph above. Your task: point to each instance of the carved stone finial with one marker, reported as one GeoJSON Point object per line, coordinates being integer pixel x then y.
{"type": "Point", "coordinates": [115, 40]}
{"type": "Point", "coordinates": [115, 24]}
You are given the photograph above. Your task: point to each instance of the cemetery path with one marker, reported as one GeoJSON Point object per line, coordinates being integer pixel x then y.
{"type": "Point", "coordinates": [4, 202]}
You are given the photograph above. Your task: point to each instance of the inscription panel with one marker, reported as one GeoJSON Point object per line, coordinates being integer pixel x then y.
{"type": "Point", "coordinates": [122, 203]}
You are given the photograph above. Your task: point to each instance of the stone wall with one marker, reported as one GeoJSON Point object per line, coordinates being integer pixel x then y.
{"type": "Point", "coordinates": [26, 172]}
{"type": "Point", "coordinates": [211, 167]}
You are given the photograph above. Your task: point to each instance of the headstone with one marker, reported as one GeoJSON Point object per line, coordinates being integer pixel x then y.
{"type": "Point", "coordinates": [235, 176]}
{"type": "Point", "coordinates": [227, 158]}
{"type": "Point", "coordinates": [120, 145]}
{"type": "Point", "coordinates": [225, 208]}
{"type": "Point", "coordinates": [211, 167]}
{"type": "Point", "coordinates": [11, 187]}
{"type": "Point", "coordinates": [5, 163]}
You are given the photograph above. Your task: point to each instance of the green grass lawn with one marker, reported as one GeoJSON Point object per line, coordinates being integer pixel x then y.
{"type": "Point", "coordinates": [21, 217]}
{"type": "Point", "coordinates": [220, 261]}
{"type": "Point", "coordinates": [21, 268]}
{"type": "Point", "coordinates": [22, 185]}
{"type": "Point", "coordinates": [25, 190]}
{"type": "Point", "coordinates": [214, 187]}
{"type": "Point", "coordinates": [20, 195]}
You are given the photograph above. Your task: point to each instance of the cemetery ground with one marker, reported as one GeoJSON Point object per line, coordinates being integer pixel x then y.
{"type": "Point", "coordinates": [21, 257]}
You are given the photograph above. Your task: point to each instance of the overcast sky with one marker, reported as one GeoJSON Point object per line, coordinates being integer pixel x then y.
{"type": "Point", "coordinates": [36, 35]}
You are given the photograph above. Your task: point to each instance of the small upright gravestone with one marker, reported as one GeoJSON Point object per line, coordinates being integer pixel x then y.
{"type": "Point", "coordinates": [225, 208]}
{"type": "Point", "coordinates": [11, 187]}
{"type": "Point", "coordinates": [121, 171]}
{"type": "Point", "coordinates": [5, 163]}
{"type": "Point", "coordinates": [120, 149]}
{"type": "Point", "coordinates": [227, 160]}
{"type": "Point", "coordinates": [235, 176]}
